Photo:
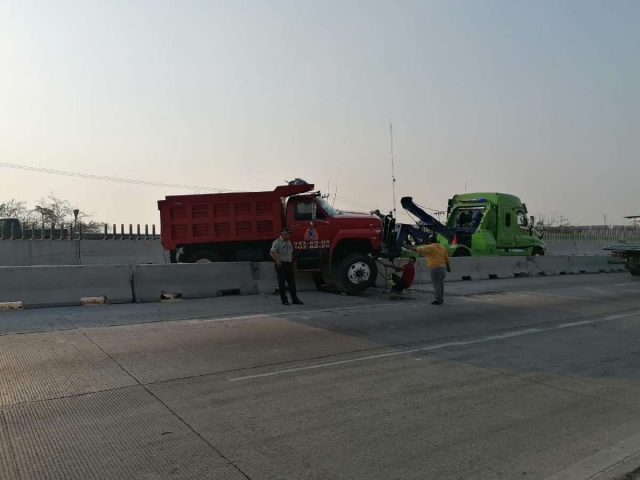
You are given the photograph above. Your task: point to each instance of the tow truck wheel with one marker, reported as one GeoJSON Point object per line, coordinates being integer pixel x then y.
{"type": "Point", "coordinates": [537, 252]}
{"type": "Point", "coordinates": [357, 272]}
{"type": "Point", "coordinates": [204, 256]}
{"type": "Point", "coordinates": [461, 252]}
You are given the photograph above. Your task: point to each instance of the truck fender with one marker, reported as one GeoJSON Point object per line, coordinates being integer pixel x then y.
{"type": "Point", "coordinates": [363, 234]}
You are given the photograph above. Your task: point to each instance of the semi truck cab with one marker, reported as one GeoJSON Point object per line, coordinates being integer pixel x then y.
{"type": "Point", "coordinates": [492, 224]}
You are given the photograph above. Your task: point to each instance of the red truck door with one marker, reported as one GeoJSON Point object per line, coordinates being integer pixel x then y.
{"type": "Point", "coordinates": [311, 238]}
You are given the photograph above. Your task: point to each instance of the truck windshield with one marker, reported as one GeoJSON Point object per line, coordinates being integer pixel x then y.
{"type": "Point", "coordinates": [331, 211]}
{"type": "Point", "coordinates": [469, 217]}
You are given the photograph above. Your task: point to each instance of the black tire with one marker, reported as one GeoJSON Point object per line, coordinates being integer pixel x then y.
{"type": "Point", "coordinates": [635, 271]}
{"type": "Point", "coordinates": [357, 272]}
{"type": "Point", "coordinates": [204, 256]}
{"type": "Point", "coordinates": [461, 252]}
{"type": "Point", "coordinates": [537, 252]}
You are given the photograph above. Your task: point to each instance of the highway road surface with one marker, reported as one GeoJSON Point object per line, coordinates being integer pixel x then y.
{"type": "Point", "coordinates": [535, 378]}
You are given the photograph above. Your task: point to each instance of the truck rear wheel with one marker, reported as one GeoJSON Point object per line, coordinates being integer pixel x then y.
{"type": "Point", "coordinates": [357, 272]}
{"type": "Point", "coordinates": [461, 252]}
{"type": "Point", "coordinates": [537, 252]}
{"type": "Point", "coordinates": [204, 256]}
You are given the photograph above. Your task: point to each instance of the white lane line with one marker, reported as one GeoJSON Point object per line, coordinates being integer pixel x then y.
{"type": "Point", "coordinates": [625, 284]}
{"type": "Point", "coordinates": [489, 338]}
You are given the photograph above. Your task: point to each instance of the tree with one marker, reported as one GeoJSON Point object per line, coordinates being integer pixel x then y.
{"type": "Point", "coordinates": [50, 210]}
{"type": "Point", "coordinates": [13, 209]}
{"type": "Point", "coordinates": [555, 220]}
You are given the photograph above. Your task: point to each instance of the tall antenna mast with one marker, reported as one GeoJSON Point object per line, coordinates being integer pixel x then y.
{"type": "Point", "coordinates": [393, 170]}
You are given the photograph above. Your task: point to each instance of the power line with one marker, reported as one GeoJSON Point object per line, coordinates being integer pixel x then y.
{"type": "Point", "coordinates": [108, 178]}
{"type": "Point", "coordinates": [132, 181]}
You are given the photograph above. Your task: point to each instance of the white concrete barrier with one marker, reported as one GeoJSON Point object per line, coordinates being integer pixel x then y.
{"type": "Point", "coordinates": [591, 264]}
{"type": "Point", "coordinates": [27, 253]}
{"type": "Point", "coordinates": [586, 248]}
{"type": "Point", "coordinates": [562, 248]}
{"type": "Point", "coordinates": [41, 286]}
{"type": "Point", "coordinates": [189, 280]}
{"type": "Point", "coordinates": [548, 265]}
{"type": "Point", "coordinates": [122, 252]}
{"type": "Point", "coordinates": [502, 267]}
{"type": "Point", "coordinates": [464, 268]}
{"type": "Point", "coordinates": [50, 286]}
{"type": "Point", "coordinates": [267, 279]}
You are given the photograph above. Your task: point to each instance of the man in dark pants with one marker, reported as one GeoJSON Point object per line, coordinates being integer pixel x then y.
{"type": "Point", "coordinates": [282, 254]}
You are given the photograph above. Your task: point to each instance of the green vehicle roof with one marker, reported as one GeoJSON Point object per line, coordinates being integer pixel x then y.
{"type": "Point", "coordinates": [493, 198]}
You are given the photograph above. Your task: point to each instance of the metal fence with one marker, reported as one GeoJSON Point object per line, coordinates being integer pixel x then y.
{"type": "Point", "coordinates": [550, 237]}
{"type": "Point", "coordinates": [69, 232]}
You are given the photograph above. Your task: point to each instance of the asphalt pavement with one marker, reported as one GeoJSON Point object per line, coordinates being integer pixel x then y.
{"type": "Point", "coordinates": [532, 378]}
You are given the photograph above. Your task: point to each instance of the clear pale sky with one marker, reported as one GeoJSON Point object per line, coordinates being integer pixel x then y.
{"type": "Point", "coordinates": [536, 98]}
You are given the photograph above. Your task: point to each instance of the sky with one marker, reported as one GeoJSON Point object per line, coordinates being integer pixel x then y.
{"type": "Point", "coordinates": [540, 99]}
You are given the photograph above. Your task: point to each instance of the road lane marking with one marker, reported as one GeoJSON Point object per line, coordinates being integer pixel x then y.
{"type": "Point", "coordinates": [439, 346]}
{"type": "Point", "coordinates": [625, 284]}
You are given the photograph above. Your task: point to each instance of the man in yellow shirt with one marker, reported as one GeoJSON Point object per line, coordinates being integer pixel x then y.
{"type": "Point", "coordinates": [437, 261]}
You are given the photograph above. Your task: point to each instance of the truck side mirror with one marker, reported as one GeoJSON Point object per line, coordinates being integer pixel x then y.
{"type": "Point", "coordinates": [532, 221]}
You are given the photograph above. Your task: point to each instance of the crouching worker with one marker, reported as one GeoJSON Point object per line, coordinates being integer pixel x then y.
{"type": "Point", "coordinates": [408, 275]}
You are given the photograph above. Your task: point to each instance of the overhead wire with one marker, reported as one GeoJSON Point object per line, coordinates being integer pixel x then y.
{"type": "Point", "coordinates": [109, 178]}
{"type": "Point", "coordinates": [196, 188]}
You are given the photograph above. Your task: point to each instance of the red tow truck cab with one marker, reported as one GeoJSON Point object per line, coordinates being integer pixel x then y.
{"type": "Point", "coordinates": [230, 227]}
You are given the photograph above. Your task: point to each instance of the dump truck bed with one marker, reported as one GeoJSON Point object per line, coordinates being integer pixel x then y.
{"type": "Point", "coordinates": [224, 217]}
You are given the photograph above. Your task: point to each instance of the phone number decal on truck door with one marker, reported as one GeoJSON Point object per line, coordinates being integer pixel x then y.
{"type": "Point", "coordinates": [312, 245]}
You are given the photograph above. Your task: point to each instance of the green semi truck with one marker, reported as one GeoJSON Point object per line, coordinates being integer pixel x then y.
{"type": "Point", "coordinates": [483, 224]}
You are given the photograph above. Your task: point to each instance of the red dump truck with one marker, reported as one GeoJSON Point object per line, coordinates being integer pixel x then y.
{"type": "Point", "coordinates": [230, 227]}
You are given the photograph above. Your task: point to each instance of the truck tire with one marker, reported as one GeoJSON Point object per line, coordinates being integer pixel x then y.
{"type": "Point", "coordinates": [204, 256]}
{"type": "Point", "coordinates": [461, 252]}
{"type": "Point", "coordinates": [357, 272]}
{"type": "Point", "coordinates": [537, 252]}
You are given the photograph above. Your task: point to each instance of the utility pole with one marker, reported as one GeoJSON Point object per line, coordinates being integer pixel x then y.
{"type": "Point", "coordinates": [393, 171]}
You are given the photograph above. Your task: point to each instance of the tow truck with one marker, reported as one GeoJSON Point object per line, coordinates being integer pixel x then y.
{"type": "Point", "coordinates": [486, 224]}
